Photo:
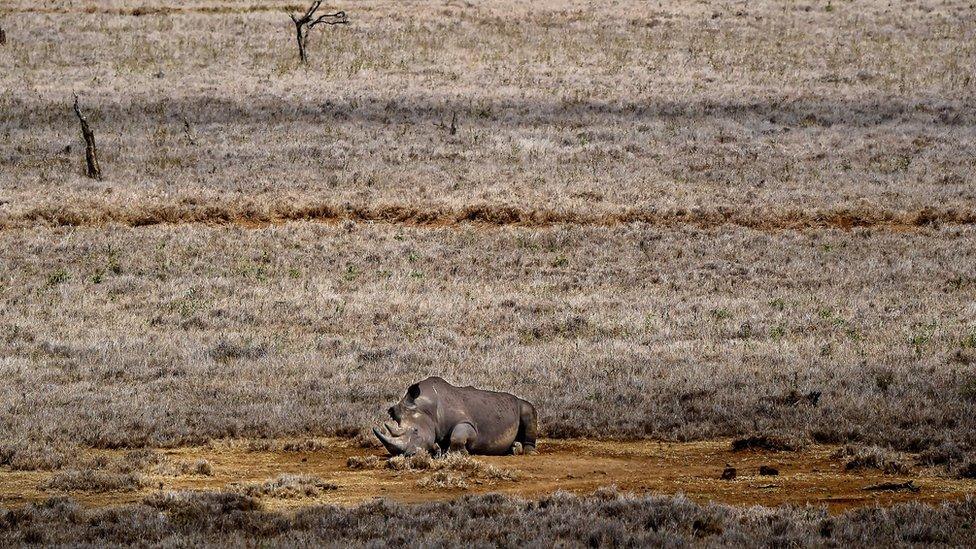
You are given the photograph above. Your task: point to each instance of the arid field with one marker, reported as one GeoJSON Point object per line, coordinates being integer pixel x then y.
{"type": "Point", "coordinates": [669, 221]}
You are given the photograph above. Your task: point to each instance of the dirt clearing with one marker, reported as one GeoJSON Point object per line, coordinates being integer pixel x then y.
{"type": "Point", "coordinates": [810, 476]}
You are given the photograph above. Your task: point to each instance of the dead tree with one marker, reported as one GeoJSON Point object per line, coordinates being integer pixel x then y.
{"type": "Point", "coordinates": [307, 22]}
{"type": "Point", "coordinates": [91, 154]}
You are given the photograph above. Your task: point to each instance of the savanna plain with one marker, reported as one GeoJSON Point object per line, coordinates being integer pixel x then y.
{"type": "Point", "coordinates": [692, 233]}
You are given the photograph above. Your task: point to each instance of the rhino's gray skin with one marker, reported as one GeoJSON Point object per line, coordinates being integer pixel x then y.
{"type": "Point", "coordinates": [435, 416]}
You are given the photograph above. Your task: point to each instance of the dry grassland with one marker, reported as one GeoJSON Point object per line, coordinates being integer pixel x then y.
{"type": "Point", "coordinates": [663, 220]}
{"type": "Point", "coordinates": [756, 113]}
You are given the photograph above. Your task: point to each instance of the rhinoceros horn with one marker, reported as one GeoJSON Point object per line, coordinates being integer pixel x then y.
{"type": "Point", "coordinates": [393, 445]}
{"type": "Point", "coordinates": [394, 429]}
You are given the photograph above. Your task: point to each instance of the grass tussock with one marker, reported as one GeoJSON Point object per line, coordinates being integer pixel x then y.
{"type": "Point", "coordinates": [453, 470]}
{"type": "Point", "coordinates": [285, 486]}
{"type": "Point", "coordinates": [127, 472]}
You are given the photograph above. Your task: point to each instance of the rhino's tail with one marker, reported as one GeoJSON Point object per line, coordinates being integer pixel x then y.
{"type": "Point", "coordinates": [528, 426]}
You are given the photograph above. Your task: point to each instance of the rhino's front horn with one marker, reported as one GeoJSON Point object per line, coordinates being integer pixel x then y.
{"type": "Point", "coordinates": [393, 446]}
{"type": "Point", "coordinates": [394, 430]}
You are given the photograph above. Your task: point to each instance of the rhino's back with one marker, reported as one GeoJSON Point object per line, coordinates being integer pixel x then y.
{"type": "Point", "coordinates": [494, 415]}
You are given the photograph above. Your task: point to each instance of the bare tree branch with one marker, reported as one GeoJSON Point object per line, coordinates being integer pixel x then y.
{"type": "Point", "coordinates": [92, 169]}
{"type": "Point", "coordinates": [308, 21]}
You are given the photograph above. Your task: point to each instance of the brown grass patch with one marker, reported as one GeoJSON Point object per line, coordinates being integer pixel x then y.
{"type": "Point", "coordinates": [263, 215]}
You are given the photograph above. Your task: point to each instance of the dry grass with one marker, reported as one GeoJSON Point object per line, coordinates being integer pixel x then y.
{"type": "Point", "coordinates": [629, 331]}
{"type": "Point", "coordinates": [127, 472]}
{"type": "Point", "coordinates": [667, 113]}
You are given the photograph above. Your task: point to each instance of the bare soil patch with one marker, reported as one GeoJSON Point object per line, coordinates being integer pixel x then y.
{"type": "Point", "coordinates": [812, 475]}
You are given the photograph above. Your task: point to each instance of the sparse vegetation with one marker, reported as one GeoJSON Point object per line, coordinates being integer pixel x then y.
{"type": "Point", "coordinates": [303, 445]}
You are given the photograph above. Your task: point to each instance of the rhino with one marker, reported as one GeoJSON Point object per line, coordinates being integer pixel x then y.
{"type": "Point", "coordinates": [435, 416]}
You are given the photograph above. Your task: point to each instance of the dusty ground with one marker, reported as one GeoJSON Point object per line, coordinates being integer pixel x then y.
{"type": "Point", "coordinates": [810, 476]}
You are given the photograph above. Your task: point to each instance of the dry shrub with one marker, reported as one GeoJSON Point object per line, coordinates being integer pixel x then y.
{"type": "Point", "coordinates": [453, 470]}
{"type": "Point", "coordinates": [768, 441]}
{"type": "Point", "coordinates": [182, 468]}
{"type": "Point", "coordinates": [453, 462]}
{"type": "Point", "coordinates": [605, 519]}
{"type": "Point", "coordinates": [366, 462]}
{"type": "Point", "coordinates": [200, 506]}
{"type": "Point", "coordinates": [443, 479]}
{"type": "Point", "coordinates": [872, 457]}
{"type": "Point", "coordinates": [286, 486]}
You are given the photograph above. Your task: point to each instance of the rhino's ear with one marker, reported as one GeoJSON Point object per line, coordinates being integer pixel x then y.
{"type": "Point", "coordinates": [412, 393]}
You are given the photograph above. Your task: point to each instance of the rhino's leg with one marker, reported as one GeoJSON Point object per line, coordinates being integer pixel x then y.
{"type": "Point", "coordinates": [528, 427]}
{"type": "Point", "coordinates": [461, 436]}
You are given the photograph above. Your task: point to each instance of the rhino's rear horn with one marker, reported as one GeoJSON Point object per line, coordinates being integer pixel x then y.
{"type": "Point", "coordinates": [394, 430]}
{"type": "Point", "coordinates": [393, 446]}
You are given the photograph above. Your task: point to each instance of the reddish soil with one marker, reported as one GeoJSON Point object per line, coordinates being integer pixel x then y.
{"type": "Point", "coordinates": [809, 476]}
